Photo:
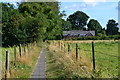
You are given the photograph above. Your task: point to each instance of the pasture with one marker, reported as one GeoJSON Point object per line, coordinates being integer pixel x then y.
{"type": "Point", "coordinates": [106, 59]}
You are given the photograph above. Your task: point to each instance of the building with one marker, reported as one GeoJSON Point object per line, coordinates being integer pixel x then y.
{"type": "Point", "coordinates": [77, 33]}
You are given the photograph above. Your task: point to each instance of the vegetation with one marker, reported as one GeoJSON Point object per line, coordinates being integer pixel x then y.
{"type": "Point", "coordinates": [78, 20]}
{"type": "Point", "coordinates": [22, 67]}
{"type": "Point", "coordinates": [43, 21]}
{"type": "Point", "coordinates": [94, 25]}
{"type": "Point", "coordinates": [30, 22]}
{"type": "Point", "coordinates": [106, 55]}
{"type": "Point", "coordinates": [101, 37]}
{"type": "Point", "coordinates": [64, 64]}
{"type": "Point", "coordinates": [112, 28]}
{"type": "Point", "coordinates": [37, 22]}
{"type": "Point", "coordinates": [66, 25]}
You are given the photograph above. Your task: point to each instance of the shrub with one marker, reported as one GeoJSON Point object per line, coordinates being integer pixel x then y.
{"type": "Point", "coordinates": [113, 37]}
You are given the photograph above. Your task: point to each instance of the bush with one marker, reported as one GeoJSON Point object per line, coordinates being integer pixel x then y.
{"type": "Point", "coordinates": [113, 37]}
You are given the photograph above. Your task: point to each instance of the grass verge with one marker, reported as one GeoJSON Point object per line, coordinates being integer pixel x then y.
{"type": "Point", "coordinates": [24, 66]}
{"type": "Point", "coordinates": [62, 65]}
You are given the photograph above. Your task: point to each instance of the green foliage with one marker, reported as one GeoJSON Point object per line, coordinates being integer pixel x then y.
{"type": "Point", "coordinates": [100, 37]}
{"type": "Point", "coordinates": [66, 25]}
{"type": "Point", "coordinates": [94, 25]}
{"type": "Point", "coordinates": [78, 20]}
{"type": "Point", "coordinates": [31, 22]}
{"type": "Point", "coordinates": [61, 66]}
{"type": "Point", "coordinates": [112, 28]}
{"type": "Point", "coordinates": [106, 57]}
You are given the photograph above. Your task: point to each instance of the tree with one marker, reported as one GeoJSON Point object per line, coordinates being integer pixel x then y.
{"type": "Point", "coordinates": [78, 20]}
{"type": "Point", "coordinates": [94, 25]}
{"type": "Point", "coordinates": [54, 30]}
{"type": "Point", "coordinates": [112, 28]}
{"type": "Point", "coordinates": [66, 25]}
{"type": "Point", "coordinates": [10, 24]}
{"type": "Point", "coordinates": [31, 22]}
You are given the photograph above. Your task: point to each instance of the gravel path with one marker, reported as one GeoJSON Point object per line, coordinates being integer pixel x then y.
{"type": "Point", "coordinates": [39, 71]}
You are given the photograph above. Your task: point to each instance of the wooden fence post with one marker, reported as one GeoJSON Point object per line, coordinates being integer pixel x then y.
{"type": "Point", "coordinates": [58, 43]}
{"type": "Point", "coordinates": [27, 47]}
{"type": "Point", "coordinates": [35, 43]}
{"type": "Point", "coordinates": [64, 47]}
{"type": "Point", "coordinates": [30, 45]}
{"type": "Point", "coordinates": [76, 51]}
{"type": "Point", "coordinates": [24, 48]}
{"type": "Point", "coordinates": [93, 56]}
{"type": "Point", "coordinates": [14, 55]}
{"type": "Point", "coordinates": [61, 46]}
{"type": "Point", "coordinates": [20, 50]}
{"type": "Point", "coordinates": [7, 65]}
{"type": "Point", "coordinates": [68, 48]}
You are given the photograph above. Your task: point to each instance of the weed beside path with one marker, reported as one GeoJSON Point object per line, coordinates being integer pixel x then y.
{"type": "Point", "coordinates": [24, 66]}
{"type": "Point", "coordinates": [60, 63]}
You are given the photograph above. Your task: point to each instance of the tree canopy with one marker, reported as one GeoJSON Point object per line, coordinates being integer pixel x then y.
{"type": "Point", "coordinates": [66, 25]}
{"type": "Point", "coordinates": [35, 21]}
{"type": "Point", "coordinates": [112, 28]}
{"type": "Point", "coordinates": [30, 22]}
{"type": "Point", "coordinates": [94, 25]}
{"type": "Point", "coordinates": [78, 20]}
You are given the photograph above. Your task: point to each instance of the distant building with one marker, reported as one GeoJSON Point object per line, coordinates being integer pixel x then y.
{"type": "Point", "coordinates": [77, 33]}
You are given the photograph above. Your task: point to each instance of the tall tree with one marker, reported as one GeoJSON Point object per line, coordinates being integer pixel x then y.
{"type": "Point", "coordinates": [30, 22]}
{"type": "Point", "coordinates": [78, 20]}
{"type": "Point", "coordinates": [66, 25]}
{"type": "Point", "coordinates": [94, 25]}
{"type": "Point", "coordinates": [8, 31]}
{"type": "Point", "coordinates": [112, 28]}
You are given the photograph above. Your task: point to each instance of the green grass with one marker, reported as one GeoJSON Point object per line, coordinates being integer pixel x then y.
{"type": "Point", "coordinates": [60, 65]}
{"type": "Point", "coordinates": [106, 56]}
{"type": "Point", "coordinates": [25, 65]}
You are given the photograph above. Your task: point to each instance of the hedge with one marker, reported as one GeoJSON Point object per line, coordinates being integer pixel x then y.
{"type": "Point", "coordinates": [112, 37]}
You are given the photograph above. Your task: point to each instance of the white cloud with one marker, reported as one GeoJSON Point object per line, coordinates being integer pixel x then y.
{"type": "Point", "coordinates": [93, 2]}
{"type": "Point", "coordinates": [10, 0]}
{"type": "Point", "coordinates": [75, 7]}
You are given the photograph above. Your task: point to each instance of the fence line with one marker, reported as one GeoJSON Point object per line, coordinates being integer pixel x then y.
{"type": "Point", "coordinates": [7, 64]}
{"type": "Point", "coordinates": [26, 48]}
{"type": "Point", "coordinates": [93, 55]}
{"type": "Point", "coordinates": [67, 47]}
{"type": "Point", "coordinates": [20, 50]}
{"type": "Point", "coordinates": [76, 53]}
{"type": "Point", "coordinates": [14, 55]}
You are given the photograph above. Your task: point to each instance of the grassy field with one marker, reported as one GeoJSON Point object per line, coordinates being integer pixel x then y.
{"type": "Point", "coordinates": [24, 65]}
{"type": "Point", "coordinates": [62, 64]}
